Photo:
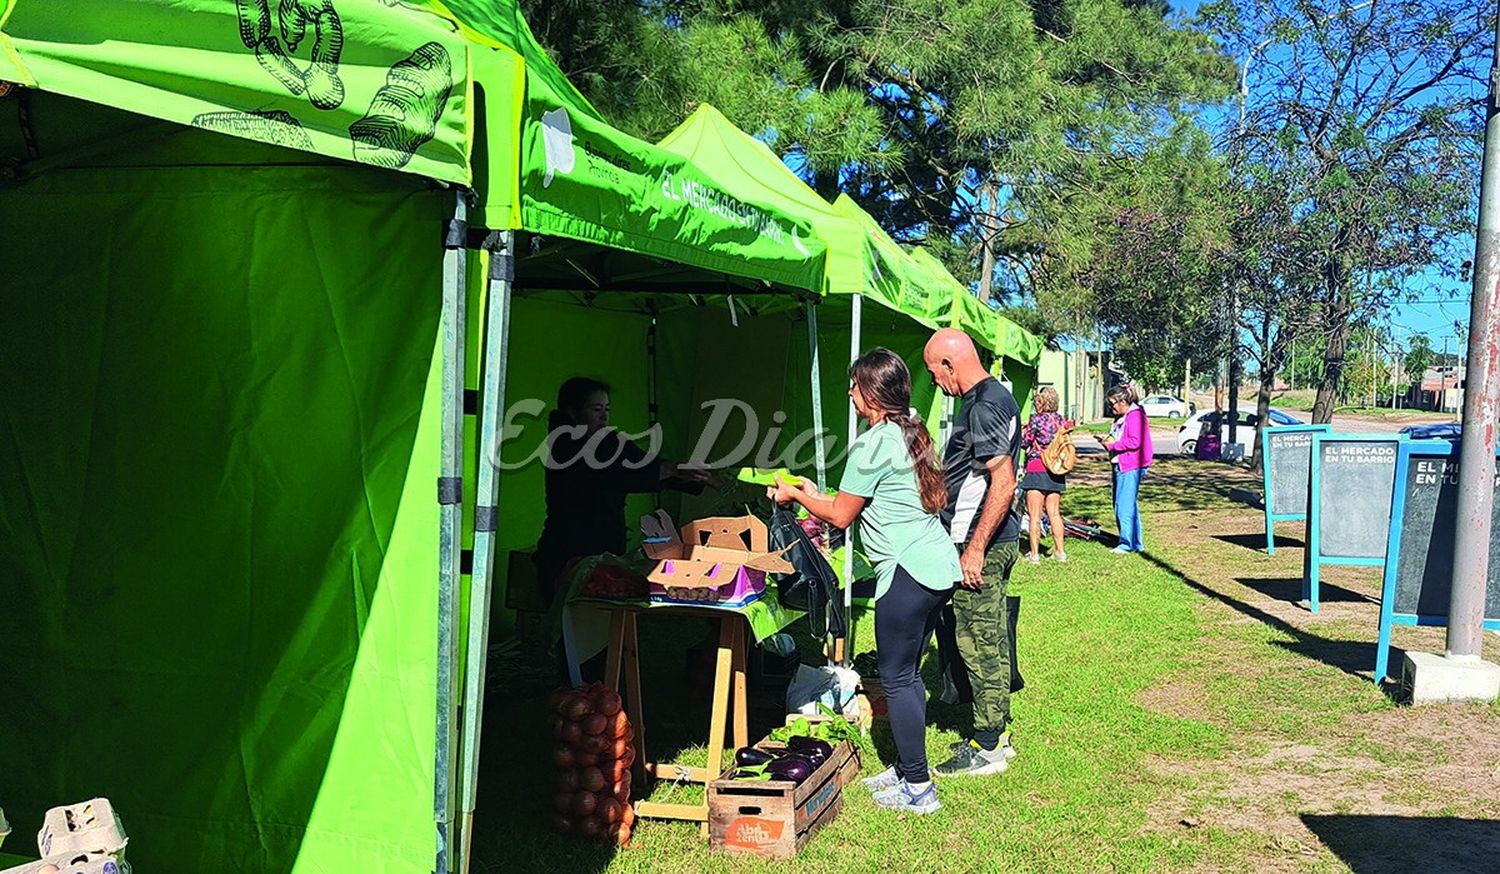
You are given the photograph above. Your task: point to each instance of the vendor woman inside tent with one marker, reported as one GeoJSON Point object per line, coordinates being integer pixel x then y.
{"type": "Point", "coordinates": [591, 470]}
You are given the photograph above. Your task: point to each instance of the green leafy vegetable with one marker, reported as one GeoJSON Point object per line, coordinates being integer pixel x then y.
{"type": "Point", "coordinates": [834, 730]}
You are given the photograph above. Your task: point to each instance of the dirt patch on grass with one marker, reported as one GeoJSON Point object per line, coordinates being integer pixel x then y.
{"type": "Point", "coordinates": [1180, 699]}
{"type": "Point", "coordinates": [1319, 766]}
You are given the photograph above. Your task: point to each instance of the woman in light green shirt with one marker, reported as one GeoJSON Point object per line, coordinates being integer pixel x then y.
{"type": "Point", "coordinates": [892, 483]}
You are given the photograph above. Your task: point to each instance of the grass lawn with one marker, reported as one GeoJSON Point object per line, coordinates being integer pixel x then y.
{"type": "Point", "coordinates": [1180, 713]}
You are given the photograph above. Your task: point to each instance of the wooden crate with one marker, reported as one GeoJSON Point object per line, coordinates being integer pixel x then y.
{"type": "Point", "coordinates": [874, 706]}
{"type": "Point", "coordinates": [773, 819]}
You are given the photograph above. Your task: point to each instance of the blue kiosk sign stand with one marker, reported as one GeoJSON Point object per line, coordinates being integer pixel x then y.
{"type": "Point", "coordinates": [1286, 471]}
{"type": "Point", "coordinates": [1419, 554]}
{"type": "Point", "coordinates": [1349, 504]}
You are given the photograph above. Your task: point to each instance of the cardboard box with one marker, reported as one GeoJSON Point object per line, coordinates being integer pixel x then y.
{"type": "Point", "coordinates": [719, 559]}
{"type": "Point", "coordinates": [86, 863]}
{"type": "Point", "coordinates": [90, 827]}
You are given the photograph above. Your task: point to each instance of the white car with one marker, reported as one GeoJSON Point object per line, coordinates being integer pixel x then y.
{"type": "Point", "coordinates": [1165, 407]}
{"type": "Point", "coordinates": [1187, 435]}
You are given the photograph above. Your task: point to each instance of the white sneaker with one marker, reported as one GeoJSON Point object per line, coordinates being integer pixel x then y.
{"type": "Point", "coordinates": [1034, 558]}
{"type": "Point", "coordinates": [1122, 550]}
{"type": "Point", "coordinates": [901, 799]}
{"type": "Point", "coordinates": [885, 780]}
{"type": "Point", "coordinates": [971, 761]}
{"type": "Point", "coordinates": [1061, 557]}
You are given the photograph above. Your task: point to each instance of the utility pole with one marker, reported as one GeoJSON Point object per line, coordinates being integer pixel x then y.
{"type": "Point", "coordinates": [1461, 674]}
{"type": "Point", "coordinates": [1395, 368]}
{"type": "Point", "coordinates": [1461, 374]}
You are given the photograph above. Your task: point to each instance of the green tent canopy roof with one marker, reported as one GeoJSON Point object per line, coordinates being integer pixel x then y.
{"type": "Point", "coordinates": [711, 140]}
{"type": "Point", "coordinates": [459, 93]}
{"type": "Point", "coordinates": [918, 293]}
{"type": "Point", "coordinates": [997, 332]}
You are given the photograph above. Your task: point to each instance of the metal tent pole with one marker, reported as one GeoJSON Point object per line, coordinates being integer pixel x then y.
{"type": "Point", "coordinates": [502, 274]}
{"type": "Point", "coordinates": [450, 539]}
{"type": "Point", "coordinates": [1476, 464]}
{"type": "Point", "coordinates": [855, 328]}
{"type": "Point", "coordinates": [819, 451]}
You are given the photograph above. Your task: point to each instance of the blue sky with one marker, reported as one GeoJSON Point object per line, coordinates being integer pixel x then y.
{"type": "Point", "coordinates": [1439, 301]}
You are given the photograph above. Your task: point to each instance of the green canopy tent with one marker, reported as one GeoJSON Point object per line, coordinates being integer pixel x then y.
{"type": "Point", "coordinates": [950, 304]}
{"type": "Point", "coordinates": [863, 262]}
{"type": "Point", "coordinates": [1017, 351]}
{"type": "Point", "coordinates": [234, 366]}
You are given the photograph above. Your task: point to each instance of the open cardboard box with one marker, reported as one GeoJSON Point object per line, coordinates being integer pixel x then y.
{"type": "Point", "coordinates": [90, 827]}
{"type": "Point", "coordinates": [85, 863]}
{"type": "Point", "coordinates": [720, 559]}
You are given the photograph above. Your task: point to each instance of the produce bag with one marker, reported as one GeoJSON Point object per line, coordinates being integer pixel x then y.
{"type": "Point", "coordinates": [828, 686]}
{"type": "Point", "coordinates": [812, 587]}
{"type": "Point", "coordinates": [594, 754]}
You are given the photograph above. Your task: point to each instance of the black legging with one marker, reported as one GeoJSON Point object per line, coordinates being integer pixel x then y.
{"type": "Point", "coordinates": [904, 620]}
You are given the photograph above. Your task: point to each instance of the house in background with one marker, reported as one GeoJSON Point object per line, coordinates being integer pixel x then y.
{"type": "Point", "coordinates": [1076, 377]}
{"type": "Point", "coordinates": [1441, 390]}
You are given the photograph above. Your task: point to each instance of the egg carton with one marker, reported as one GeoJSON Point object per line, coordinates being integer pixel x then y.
{"type": "Point", "coordinates": [87, 863]}
{"type": "Point", "coordinates": [86, 828]}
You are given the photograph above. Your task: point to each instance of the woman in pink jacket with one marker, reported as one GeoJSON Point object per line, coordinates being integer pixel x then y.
{"type": "Point", "coordinates": [1130, 451]}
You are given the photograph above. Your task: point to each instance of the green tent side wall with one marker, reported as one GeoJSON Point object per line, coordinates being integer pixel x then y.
{"type": "Point", "coordinates": [702, 355]}
{"type": "Point", "coordinates": [216, 512]}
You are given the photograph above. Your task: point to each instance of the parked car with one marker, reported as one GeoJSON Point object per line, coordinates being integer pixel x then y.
{"type": "Point", "coordinates": [1166, 407]}
{"type": "Point", "coordinates": [1439, 431]}
{"type": "Point", "coordinates": [1187, 435]}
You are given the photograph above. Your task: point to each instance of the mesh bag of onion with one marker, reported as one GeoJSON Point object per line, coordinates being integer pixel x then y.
{"type": "Point", "coordinates": [594, 752]}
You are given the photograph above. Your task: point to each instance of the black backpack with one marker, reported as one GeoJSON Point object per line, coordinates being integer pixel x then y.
{"type": "Point", "coordinates": [811, 587]}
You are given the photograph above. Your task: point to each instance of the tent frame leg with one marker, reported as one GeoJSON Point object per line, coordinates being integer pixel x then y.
{"type": "Point", "coordinates": [843, 649]}
{"type": "Point", "coordinates": [450, 528]}
{"type": "Point", "coordinates": [500, 247]}
{"type": "Point", "coordinates": [820, 452]}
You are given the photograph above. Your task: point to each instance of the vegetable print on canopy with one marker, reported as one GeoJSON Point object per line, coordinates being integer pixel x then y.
{"type": "Point", "coordinates": [406, 109]}
{"type": "Point", "coordinates": [320, 78]}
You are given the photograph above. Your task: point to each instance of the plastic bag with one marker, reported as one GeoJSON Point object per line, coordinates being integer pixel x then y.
{"type": "Point", "coordinates": [780, 645]}
{"type": "Point", "coordinates": [812, 587]}
{"type": "Point", "coordinates": [832, 686]}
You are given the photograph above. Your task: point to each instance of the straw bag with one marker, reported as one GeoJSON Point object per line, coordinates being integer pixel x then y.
{"type": "Point", "coordinates": [1061, 456]}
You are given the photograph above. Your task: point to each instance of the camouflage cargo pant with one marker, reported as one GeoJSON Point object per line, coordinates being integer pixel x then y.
{"type": "Point", "coordinates": [984, 638]}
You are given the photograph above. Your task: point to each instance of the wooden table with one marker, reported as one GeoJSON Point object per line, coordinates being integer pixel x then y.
{"type": "Point", "coordinates": [728, 706]}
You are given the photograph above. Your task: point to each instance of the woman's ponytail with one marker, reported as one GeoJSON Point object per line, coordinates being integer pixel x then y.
{"type": "Point", "coordinates": [885, 383]}
{"type": "Point", "coordinates": [930, 481]}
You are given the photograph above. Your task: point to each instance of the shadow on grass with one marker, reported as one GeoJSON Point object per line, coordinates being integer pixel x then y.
{"type": "Point", "coordinates": [1379, 844]}
{"type": "Point", "coordinates": [1257, 542]}
{"type": "Point", "coordinates": [1171, 485]}
{"type": "Point", "coordinates": [518, 782]}
{"type": "Point", "coordinates": [1355, 658]}
{"type": "Point", "coordinates": [1289, 589]}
